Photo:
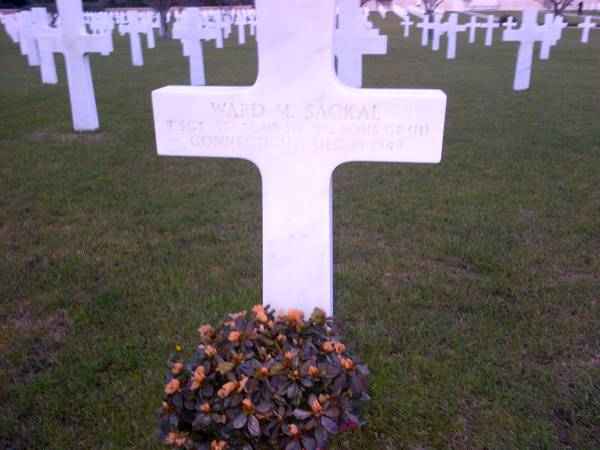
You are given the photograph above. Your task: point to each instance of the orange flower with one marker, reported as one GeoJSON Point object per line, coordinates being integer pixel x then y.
{"type": "Point", "coordinates": [339, 347]}
{"type": "Point", "coordinates": [198, 377]}
{"type": "Point", "coordinates": [288, 358]}
{"type": "Point", "coordinates": [177, 439]}
{"type": "Point", "coordinates": [235, 336]}
{"type": "Point", "coordinates": [214, 445]}
{"type": "Point", "coordinates": [177, 368]}
{"type": "Point", "coordinates": [248, 406]}
{"type": "Point", "coordinates": [238, 358]}
{"type": "Point", "coordinates": [262, 372]}
{"type": "Point", "coordinates": [172, 386]}
{"type": "Point", "coordinates": [294, 316]}
{"type": "Point", "coordinates": [206, 331]}
{"type": "Point", "coordinates": [316, 407]}
{"type": "Point", "coordinates": [346, 363]}
{"type": "Point", "coordinates": [209, 351]}
{"type": "Point", "coordinates": [227, 389]}
{"type": "Point", "coordinates": [294, 431]}
{"type": "Point", "coordinates": [313, 371]}
{"type": "Point", "coordinates": [259, 312]}
{"type": "Point", "coordinates": [205, 408]}
{"type": "Point", "coordinates": [242, 384]}
{"type": "Point", "coordinates": [328, 346]}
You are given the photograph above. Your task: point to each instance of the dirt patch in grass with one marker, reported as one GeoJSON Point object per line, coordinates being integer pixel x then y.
{"type": "Point", "coordinates": [47, 336]}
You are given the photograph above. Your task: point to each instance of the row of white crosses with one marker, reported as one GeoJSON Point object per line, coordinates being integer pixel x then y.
{"type": "Point", "coordinates": [354, 37]}
{"type": "Point", "coordinates": [547, 34]}
{"type": "Point", "coordinates": [297, 124]}
{"type": "Point", "coordinates": [527, 35]}
{"type": "Point", "coordinates": [39, 42]}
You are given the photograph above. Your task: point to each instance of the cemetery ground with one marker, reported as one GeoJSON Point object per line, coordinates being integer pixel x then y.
{"type": "Point", "coordinates": [470, 288]}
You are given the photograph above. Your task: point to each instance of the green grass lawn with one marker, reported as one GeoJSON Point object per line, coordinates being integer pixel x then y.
{"type": "Point", "coordinates": [471, 288]}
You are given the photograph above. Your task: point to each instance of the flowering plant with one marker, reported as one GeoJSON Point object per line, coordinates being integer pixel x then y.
{"type": "Point", "coordinates": [263, 381]}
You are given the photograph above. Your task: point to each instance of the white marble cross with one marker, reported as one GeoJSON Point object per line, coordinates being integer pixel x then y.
{"type": "Point", "coordinates": [439, 28]}
{"type": "Point", "coordinates": [72, 40]}
{"type": "Point", "coordinates": [452, 28]}
{"type": "Point", "coordinates": [352, 41]}
{"type": "Point", "coordinates": [406, 23]}
{"type": "Point", "coordinates": [11, 25]}
{"type": "Point", "coordinates": [297, 124]}
{"type": "Point", "coordinates": [509, 24]}
{"type": "Point", "coordinates": [147, 22]}
{"type": "Point", "coordinates": [188, 29]}
{"type": "Point", "coordinates": [134, 27]}
{"type": "Point", "coordinates": [554, 26]}
{"type": "Point", "coordinates": [215, 28]}
{"type": "Point", "coordinates": [529, 33]}
{"type": "Point", "coordinates": [426, 25]}
{"type": "Point", "coordinates": [39, 18]}
{"type": "Point", "coordinates": [472, 26]}
{"type": "Point", "coordinates": [489, 26]}
{"type": "Point", "coordinates": [252, 21]}
{"type": "Point", "coordinates": [586, 26]}
{"type": "Point", "coordinates": [27, 42]}
{"type": "Point", "coordinates": [240, 21]}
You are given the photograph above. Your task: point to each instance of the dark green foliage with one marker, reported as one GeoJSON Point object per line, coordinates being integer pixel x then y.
{"type": "Point", "coordinates": [261, 381]}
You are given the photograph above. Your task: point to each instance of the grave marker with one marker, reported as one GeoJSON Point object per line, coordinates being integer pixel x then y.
{"type": "Point", "coordinates": [352, 41]}
{"type": "Point", "coordinates": [406, 23]}
{"type": "Point", "coordinates": [40, 25]}
{"type": "Point", "coordinates": [529, 33]}
{"type": "Point", "coordinates": [439, 29]}
{"type": "Point", "coordinates": [27, 42]}
{"type": "Point", "coordinates": [72, 40]}
{"type": "Point", "coordinates": [426, 25]}
{"type": "Point", "coordinates": [490, 25]}
{"type": "Point", "coordinates": [472, 26]}
{"type": "Point", "coordinates": [132, 25]}
{"type": "Point", "coordinates": [297, 124]}
{"type": "Point", "coordinates": [452, 27]}
{"type": "Point", "coordinates": [586, 26]}
{"type": "Point", "coordinates": [509, 24]}
{"type": "Point", "coordinates": [188, 29]}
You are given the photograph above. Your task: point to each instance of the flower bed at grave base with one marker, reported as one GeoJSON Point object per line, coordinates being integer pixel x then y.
{"type": "Point", "coordinates": [264, 381]}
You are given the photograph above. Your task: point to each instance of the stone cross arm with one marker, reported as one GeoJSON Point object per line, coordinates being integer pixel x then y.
{"type": "Point", "coordinates": [332, 126]}
{"type": "Point", "coordinates": [76, 44]}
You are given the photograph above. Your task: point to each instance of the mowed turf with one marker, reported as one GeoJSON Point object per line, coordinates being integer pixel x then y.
{"type": "Point", "coordinates": [471, 288]}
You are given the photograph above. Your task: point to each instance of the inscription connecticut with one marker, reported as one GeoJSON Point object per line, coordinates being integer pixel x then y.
{"type": "Point", "coordinates": [321, 127]}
